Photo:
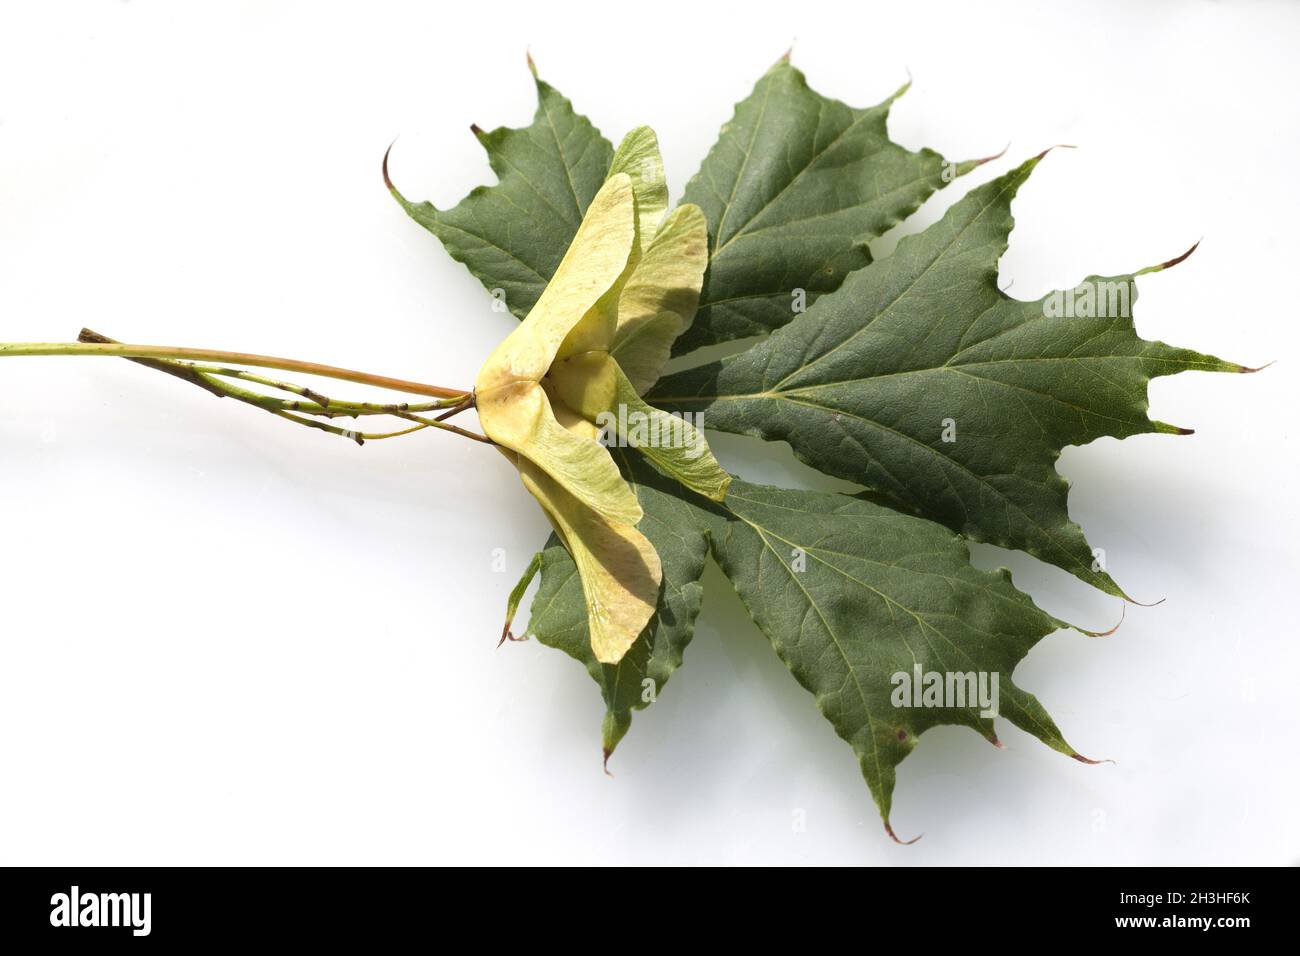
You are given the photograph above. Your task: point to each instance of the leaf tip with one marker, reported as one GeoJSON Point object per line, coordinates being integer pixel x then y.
{"type": "Point", "coordinates": [384, 168]}
{"type": "Point", "coordinates": [532, 66]}
{"type": "Point", "coordinates": [1039, 157]}
{"type": "Point", "coordinates": [968, 165]}
{"type": "Point", "coordinates": [388, 180]}
{"type": "Point", "coordinates": [902, 89]}
{"type": "Point", "coordinates": [613, 728]}
{"type": "Point", "coordinates": [1088, 760]}
{"type": "Point", "coordinates": [507, 634]}
{"type": "Point", "coordinates": [1123, 609]}
{"type": "Point", "coordinates": [1168, 263]}
{"type": "Point", "coordinates": [1247, 370]}
{"type": "Point", "coordinates": [894, 836]}
{"type": "Point", "coordinates": [1164, 428]}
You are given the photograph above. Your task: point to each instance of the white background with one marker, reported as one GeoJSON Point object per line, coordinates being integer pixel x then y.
{"type": "Point", "coordinates": [226, 639]}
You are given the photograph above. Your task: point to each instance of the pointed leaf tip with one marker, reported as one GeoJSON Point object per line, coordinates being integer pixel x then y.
{"type": "Point", "coordinates": [1123, 608]}
{"type": "Point", "coordinates": [976, 163]}
{"type": "Point", "coordinates": [894, 836]}
{"type": "Point", "coordinates": [1168, 263]}
{"type": "Point", "coordinates": [1039, 157]}
{"type": "Point", "coordinates": [1245, 369]}
{"type": "Point", "coordinates": [1088, 760]}
{"type": "Point", "coordinates": [1177, 259]}
{"type": "Point", "coordinates": [512, 234]}
{"type": "Point", "coordinates": [517, 595]}
{"type": "Point", "coordinates": [532, 67]}
{"type": "Point", "coordinates": [902, 89]}
{"type": "Point", "coordinates": [968, 165]}
{"type": "Point", "coordinates": [387, 181]}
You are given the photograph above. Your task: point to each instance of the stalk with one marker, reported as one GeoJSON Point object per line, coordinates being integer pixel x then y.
{"type": "Point", "coordinates": [178, 362]}
{"type": "Point", "coordinates": [316, 402]}
{"type": "Point", "coordinates": [164, 352]}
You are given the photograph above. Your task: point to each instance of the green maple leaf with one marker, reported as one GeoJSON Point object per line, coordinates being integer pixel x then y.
{"type": "Point", "coordinates": [851, 594]}
{"type": "Point", "coordinates": [921, 379]}
{"type": "Point", "coordinates": [858, 599]}
{"type": "Point", "coordinates": [809, 181]}
{"type": "Point", "coordinates": [793, 190]}
{"type": "Point", "coordinates": [890, 356]}
{"type": "Point", "coordinates": [512, 235]}
{"type": "Point", "coordinates": [675, 523]}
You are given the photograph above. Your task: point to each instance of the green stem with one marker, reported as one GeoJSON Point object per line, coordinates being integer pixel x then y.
{"type": "Point", "coordinates": [317, 403]}
{"type": "Point", "coordinates": [438, 423]}
{"type": "Point", "coordinates": [206, 377]}
{"type": "Point", "coordinates": [359, 437]}
{"type": "Point", "coordinates": [156, 352]}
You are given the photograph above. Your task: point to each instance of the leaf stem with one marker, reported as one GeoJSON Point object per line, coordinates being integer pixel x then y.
{"type": "Point", "coordinates": [156, 352]}
{"type": "Point", "coordinates": [359, 437]}
{"type": "Point", "coordinates": [208, 378]}
{"type": "Point", "coordinates": [439, 423]}
{"type": "Point", "coordinates": [319, 403]}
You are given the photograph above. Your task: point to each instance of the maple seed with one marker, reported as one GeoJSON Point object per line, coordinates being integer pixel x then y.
{"type": "Point", "coordinates": [542, 391]}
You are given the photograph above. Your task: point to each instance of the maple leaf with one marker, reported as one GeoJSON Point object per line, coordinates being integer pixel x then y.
{"type": "Point", "coordinates": [850, 592]}
{"type": "Point", "coordinates": [921, 379]}
{"type": "Point", "coordinates": [513, 235]}
{"type": "Point", "coordinates": [794, 189]}
{"type": "Point", "coordinates": [947, 400]}
{"type": "Point", "coordinates": [820, 179]}
{"type": "Point", "coordinates": [915, 376]}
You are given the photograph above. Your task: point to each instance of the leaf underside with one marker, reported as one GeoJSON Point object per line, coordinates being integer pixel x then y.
{"type": "Point", "coordinates": [512, 235]}
{"type": "Point", "coordinates": [793, 190]}
{"type": "Point", "coordinates": [849, 592]}
{"type": "Point", "coordinates": [920, 379]}
{"type": "Point", "coordinates": [559, 616]}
